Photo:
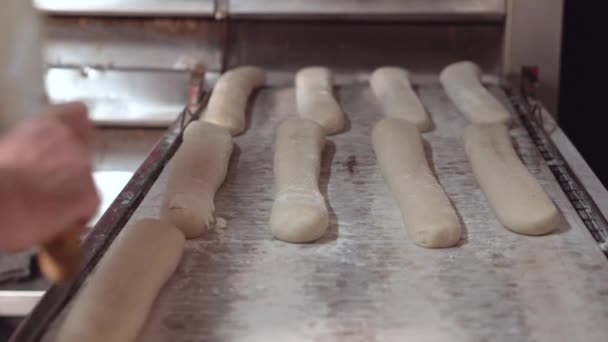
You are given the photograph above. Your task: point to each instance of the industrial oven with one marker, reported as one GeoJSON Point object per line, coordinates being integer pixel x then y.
{"type": "Point", "coordinates": [146, 69]}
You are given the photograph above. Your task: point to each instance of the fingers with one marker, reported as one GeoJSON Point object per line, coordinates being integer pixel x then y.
{"type": "Point", "coordinates": [73, 115]}
{"type": "Point", "coordinates": [51, 184]}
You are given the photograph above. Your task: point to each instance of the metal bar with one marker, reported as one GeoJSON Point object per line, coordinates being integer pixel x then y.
{"type": "Point", "coordinates": [111, 223]}
{"type": "Point", "coordinates": [153, 8]}
{"type": "Point", "coordinates": [412, 10]}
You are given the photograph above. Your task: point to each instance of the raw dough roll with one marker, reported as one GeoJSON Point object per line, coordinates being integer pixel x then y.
{"type": "Point", "coordinates": [392, 87]}
{"type": "Point", "coordinates": [462, 83]}
{"type": "Point", "coordinates": [298, 213]}
{"type": "Point", "coordinates": [114, 303]}
{"type": "Point", "coordinates": [429, 217]}
{"type": "Point", "coordinates": [519, 201]}
{"type": "Point", "coordinates": [315, 99]}
{"type": "Point", "coordinates": [196, 171]}
{"type": "Point", "coordinates": [228, 101]}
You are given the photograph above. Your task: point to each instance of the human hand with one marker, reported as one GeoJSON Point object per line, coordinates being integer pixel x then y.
{"type": "Point", "coordinates": [46, 183]}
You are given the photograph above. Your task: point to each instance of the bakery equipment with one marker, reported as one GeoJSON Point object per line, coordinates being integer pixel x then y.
{"type": "Point", "coordinates": [365, 280]}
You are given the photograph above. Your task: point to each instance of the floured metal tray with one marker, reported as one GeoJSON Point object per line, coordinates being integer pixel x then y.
{"type": "Point", "coordinates": [365, 280]}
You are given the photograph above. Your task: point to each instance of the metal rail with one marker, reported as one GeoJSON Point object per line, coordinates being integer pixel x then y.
{"type": "Point", "coordinates": [530, 112]}
{"type": "Point", "coordinates": [379, 10]}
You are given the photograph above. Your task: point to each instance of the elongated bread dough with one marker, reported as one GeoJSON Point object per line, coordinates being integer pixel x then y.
{"type": "Point", "coordinates": [196, 171]}
{"type": "Point", "coordinates": [114, 303]}
{"type": "Point", "coordinates": [298, 213]}
{"type": "Point", "coordinates": [519, 201]}
{"type": "Point", "coordinates": [315, 99]}
{"type": "Point", "coordinates": [462, 83]}
{"type": "Point", "coordinates": [429, 217]}
{"type": "Point", "coordinates": [392, 87]}
{"type": "Point", "coordinates": [228, 101]}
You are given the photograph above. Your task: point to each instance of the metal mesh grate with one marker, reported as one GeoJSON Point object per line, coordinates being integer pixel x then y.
{"type": "Point", "coordinates": [530, 113]}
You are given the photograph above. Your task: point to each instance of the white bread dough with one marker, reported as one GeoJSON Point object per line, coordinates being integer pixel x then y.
{"type": "Point", "coordinates": [298, 213]}
{"type": "Point", "coordinates": [315, 99]}
{"type": "Point", "coordinates": [392, 87]}
{"type": "Point", "coordinates": [520, 203]}
{"type": "Point", "coordinates": [430, 219]}
{"type": "Point", "coordinates": [228, 103]}
{"type": "Point", "coordinates": [114, 303]}
{"type": "Point", "coordinates": [462, 82]}
{"type": "Point", "coordinates": [196, 171]}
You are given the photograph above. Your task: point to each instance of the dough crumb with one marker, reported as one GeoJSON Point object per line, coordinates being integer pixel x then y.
{"type": "Point", "coordinates": [221, 223]}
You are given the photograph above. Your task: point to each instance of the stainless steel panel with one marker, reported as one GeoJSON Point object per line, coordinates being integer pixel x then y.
{"type": "Point", "coordinates": [379, 9]}
{"type": "Point", "coordinates": [136, 98]}
{"type": "Point", "coordinates": [187, 8]}
{"type": "Point", "coordinates": [366, 280]}
{"type": "Point", "coordinates": [281, 46]}
{"type": "Point", "coordinates": [133, 43]}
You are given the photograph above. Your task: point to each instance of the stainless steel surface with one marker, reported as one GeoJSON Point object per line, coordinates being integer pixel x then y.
{"type": "Point", "coordinates": [311, 9]}
{"type": "Point", "coordinates": [18, 303]}
{"type": "Point", "coordinates": [135, 98]}
{"type": "Point", "coordinates": [119, 64]}
{"type": "Point", "coordinates": [519, 32]}
{"type": "Point", "coordinates": [365, 280]}
{"type": "Point", "coordinates": [354, 47]}
{"type": "Point", "coordinates": [187, 8]}
{"type": "Point", "coordinates": [133, 43]}
{"type": "Point", "coordinates": [369, 10]}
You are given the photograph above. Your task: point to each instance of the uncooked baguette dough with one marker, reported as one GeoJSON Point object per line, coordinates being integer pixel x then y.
{"type": "Point", "coordinates": [299, 213]}
{"type": "Point", "coordinates": [115, 302]}
{"type": "Point", "coordinates": [315, 99]}
{"type": "Point", "coordinates": [462, 83]}
{"type": "Point", "coordinates": [519, 201]}
{"type": "Point", "coordinates": [429, 217]}
{"type": "Point", "coordinates": [392, 87]}
{"type": "Point", "coordinates": [228, 101]}
{"type": "Point", "coordinates": [196, 171]}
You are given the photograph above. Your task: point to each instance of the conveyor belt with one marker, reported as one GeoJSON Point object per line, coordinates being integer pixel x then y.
{"type": "Point", "coordinates": [365, 280]}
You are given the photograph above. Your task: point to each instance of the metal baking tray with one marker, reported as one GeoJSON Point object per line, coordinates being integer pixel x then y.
{"type": "Point", "coordinates": [365, 280]}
